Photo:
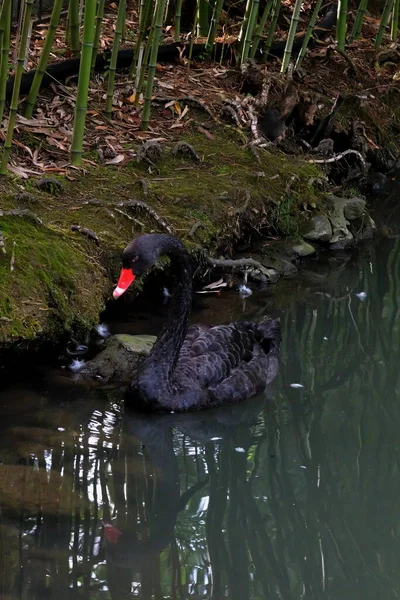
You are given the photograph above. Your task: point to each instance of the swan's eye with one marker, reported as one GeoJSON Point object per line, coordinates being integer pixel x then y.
{"type": "Point", "coordinates": [135, 258]}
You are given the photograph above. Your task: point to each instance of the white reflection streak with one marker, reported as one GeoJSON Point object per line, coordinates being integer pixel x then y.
{"type": "Point", "coordinates": [319, 475]}
{"type": "Point", "coordinates": [322, 563]}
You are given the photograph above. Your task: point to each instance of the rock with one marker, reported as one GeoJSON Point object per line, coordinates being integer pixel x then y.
{"type": "Point", "coordinates": [341, 237]}
{"type": "Point", "coordinates": [364, 228]}
{"type": "Point", "coordinates": [354, 208]}
{"type": "Point", "coordinates": [121, 358]}
{"type": "Point", "coordinates": [281, 265]}
{"type": "Point", "coordinates": [317, 229]}
{"type": "Point", "coordinates": [302, 248]}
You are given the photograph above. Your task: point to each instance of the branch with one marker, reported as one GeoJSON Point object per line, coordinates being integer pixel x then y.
{"type": "Point", "coordinates": [139, 204]}
{"type": "Point", "coordinates": [340, 156]}
{"type": "Point", "coordinates": [228, 263]}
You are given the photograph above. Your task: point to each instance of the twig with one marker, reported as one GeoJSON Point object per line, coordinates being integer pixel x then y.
{"type": "Point", "coordinates": [347, 59]}
{"type": "Point", "coordinates": [2, 244]}
{"type": "Point", "coordinates": [12, 261]}
{"type": "Point", "coordinates": [339, 157]}
{"type": "Point", "coordinates": [121, 212]}
{"type": "Point", "coordinates": [195, 227]}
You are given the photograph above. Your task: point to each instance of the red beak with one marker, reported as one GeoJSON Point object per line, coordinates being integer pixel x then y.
{"type": "Point", "coordinates": [125, 279]}
{"type": "Point", "coordinates": [112, 534]}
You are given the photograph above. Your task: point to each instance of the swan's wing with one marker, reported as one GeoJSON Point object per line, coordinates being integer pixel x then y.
{"type": "Point", "coordinates": [231, 353]}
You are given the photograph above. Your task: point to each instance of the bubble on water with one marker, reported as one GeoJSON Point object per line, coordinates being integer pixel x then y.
{"type": "Point", "coordinates": [296, 386]}
{"type": "Point", "coordinates": [361, 296]}
{"type": "Point", "coordinates": [103, 330]}
{"type": "Point", "coordinates": [244, 291]}
{"type": "Point", "coordinates": [77, 365]}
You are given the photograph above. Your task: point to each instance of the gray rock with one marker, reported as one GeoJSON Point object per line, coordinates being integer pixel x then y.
{"type": "Point", "coordinates": [317, 229]}
{"type": "Point", "coordinates": [279, 264]}
{"type": "Point", "coordinates": [302, 248]}
{"type": "Point", "coordinates": [341, 237]}
{"type": "Point", "coordinates": [121, 358]}
{"type": "Point", "coordinates": [364, 228]}
{"type": "Point", "coordinates": [354, 208]}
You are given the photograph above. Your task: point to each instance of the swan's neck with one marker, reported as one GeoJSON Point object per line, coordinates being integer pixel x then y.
{"type": "Point", "coordinates": [155, 379]}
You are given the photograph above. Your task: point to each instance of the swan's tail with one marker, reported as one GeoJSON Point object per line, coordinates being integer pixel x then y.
{"type": "Point", "coordinates": [269, 335]}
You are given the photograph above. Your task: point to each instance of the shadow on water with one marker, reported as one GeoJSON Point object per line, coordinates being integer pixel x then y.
{"type": "Point", "coordinates": [294, 495]}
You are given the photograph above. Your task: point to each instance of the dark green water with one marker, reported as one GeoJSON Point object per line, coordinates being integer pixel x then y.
{"type": "Point", "coordinates": [293, 495]}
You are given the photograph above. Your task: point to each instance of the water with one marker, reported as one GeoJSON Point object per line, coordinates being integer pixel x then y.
{"type": "Point", "coordinates": [292, 495]}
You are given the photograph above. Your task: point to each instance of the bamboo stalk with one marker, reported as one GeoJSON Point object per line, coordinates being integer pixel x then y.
{"type": "Point", "coordinates": [309, 32]}
{"type": "Point", "coordinates": [157, 31]}
{"type": "Point", "coordinates": [260, 29]}
{"type": "Point", "coordinates": [97, 34]}
{"type": "Point", "coordinates": [144, 22]}
{"type": "Point", "coordinates": [362, 9]}
{"type": "Point", "coordinates": [250, 29]}
{"type": "Point", "coordinates": [178, 15]}
{"type": "Point", "coordinates": [5, 25]}
{"type": "Point", "coordinates": [44, 57]}
{"type": "Point", "coordinates": [191, 47]}
{"type": "Point", "coordinates": [275, 16]}
{"type": "Point", "coordinates": [17, 84]}
{"type": "Point", "coordinates": [83, 82]}
{"type": "Point", "coordinates": [202, 18]}
{"type": "Point", "coordinates": [215, 17]}
{"type": "Point", "coordinates": [395, 20]}
{"type": "Point", "coordinates": [74, 22]}
{"type": "Point", "coordinates": [144, 66]}
{"type": "Point", "coordinates": [341, 24]}
{"type": "Point", "coordinates": [114, 56]}
{"type": "Point", "coordinates": [294, 22]}
{"type": "Point", "coordinates": [243, 26]}
{"type": "Point", "coordinates": [384, 21]}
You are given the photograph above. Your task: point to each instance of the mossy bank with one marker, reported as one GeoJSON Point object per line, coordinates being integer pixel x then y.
{"type": "Point", "coordinates": [54, 280]}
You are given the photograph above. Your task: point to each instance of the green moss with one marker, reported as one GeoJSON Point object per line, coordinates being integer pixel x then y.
{"type": "Point", "coordinates": [52, 287]}
{"type": "Point", "coordinates": [61, 278]}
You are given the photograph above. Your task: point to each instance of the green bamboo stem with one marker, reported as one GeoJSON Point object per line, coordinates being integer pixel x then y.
{"type": "Point", "coordinates": [5, 24]}
{"type": "Point", "coordinates": [243, 26]}
{"type": "Point", "coordinates": [73, 14]}
{"type": "Point", "coordinates": [157, 32]}
{"type": "Point", "coordinates": [294, 22]}
{"type": "Point", "coordinates": [17, 84]}
{"type": "Point", "coordinates": [341, 24]}
{"type": "Point", "coordinates": [260, 29]}
{"type": "Point", "coordinates": [395, 20]}
{"type": "Point", "coordinates": [362, 9]}
{"type": "Point", "coordinates": [274, 20]}
{"type": "Point", "coordinates": [309, 32]}
{"type": "Point", "coordinates": [97, 34]}
{"type": "Point", "coordinates": [384, 21]}
{"type": "Point", "coordinates": [250, 30]}
{"type": "Point", "coordinates": [191, 46]}
{"type": "Point", "coordinates": [143, 67]}
{"type": "Point", "coordinates": [114, 56]}
{"type": "Point", "coordinates": [178, 15]}
{"type": "Point", "coordinates": [215, 17]}
{"type": "Point", "coordinates": [44, 57]}
{"type": "Point", "coordinates": [202, 18]}
{"type": "Point", "coordinates": [83, 82]}
{"type": "Point", "coordinates": [146, 7]}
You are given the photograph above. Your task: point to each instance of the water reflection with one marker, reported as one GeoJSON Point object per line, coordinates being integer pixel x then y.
{"type": "Point", "coordinates": [289, 496]}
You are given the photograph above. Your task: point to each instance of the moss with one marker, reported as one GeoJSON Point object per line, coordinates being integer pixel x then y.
{"type": "Point", "coordinates": [61, 279]}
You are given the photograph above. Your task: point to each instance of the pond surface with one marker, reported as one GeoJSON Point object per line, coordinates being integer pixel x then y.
{"type": "Point", "coordinates": [292, 495]}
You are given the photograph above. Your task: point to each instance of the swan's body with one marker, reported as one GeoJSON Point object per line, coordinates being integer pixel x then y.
{"type": "Point", "coordinates": [197, 367]}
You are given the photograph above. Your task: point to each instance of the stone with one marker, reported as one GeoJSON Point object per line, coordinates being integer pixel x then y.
{"type": "Point", "coordinates": [121, 358]}
{"type": "Point", "coordinates": [302, 248]}
{"type": "Point", "coordinates": [279, 264]}
{"type": "Point", "coordinates": [364, 228]}
{"type": "Point", "coordinates": [341, 236]}
{"type": "Point", "coordinates": [317, 229]}
{"type": "Point", "coordinates": [354, 208]}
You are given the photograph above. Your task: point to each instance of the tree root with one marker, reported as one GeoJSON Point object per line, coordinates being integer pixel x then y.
{"type": "Point", "coordinates": [89, 233]}
{"type": "Point", "coordinates": [185, 149]}
{"type": "Point", "coordinates": [240, 263]}
{"type": "Point", "coordinates": [339, 157]}
{"type": "Point", "coordinates": [21, 212]}
{"type": "Point", "coordinates": [140, 205]}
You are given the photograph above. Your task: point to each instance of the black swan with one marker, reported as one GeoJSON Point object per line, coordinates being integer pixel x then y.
{"type": "Point", "coordinates": [197, 367]}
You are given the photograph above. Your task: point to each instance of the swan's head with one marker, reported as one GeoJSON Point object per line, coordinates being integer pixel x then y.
{"type": "Point", "coordinates": [140, 255]}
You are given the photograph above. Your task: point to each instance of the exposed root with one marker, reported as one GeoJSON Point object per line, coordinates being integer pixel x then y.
{"type": "Point", "coordinates": [150, 152]}
{"type": "Point", "coordinates": [21, 212]}
{"type": "Point", "coordinates": [185, 149]}
{"type": "Point", "coordinates": [2, 244]}
{"type": "Point", "coordinates": [140, 205]}
{"type": "Point", "coordinates": [12, 261]}
{"type": "Point", "coordinates": [195, 227]}
{"type": "Point", "coordinates": [339, 157]}
{"type": "Point", "coordinates": [89, 233]}
{"type": "Point", "coordinates": [240, 263]}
